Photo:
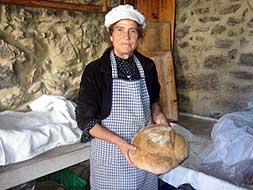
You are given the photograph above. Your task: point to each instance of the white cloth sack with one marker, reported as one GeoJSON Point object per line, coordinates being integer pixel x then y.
{"type": "Point", "coordinates": [198, 180]}
{"type": "Point", "coordinates": [220, 163]}
{"type": "Point", "coordinates": [232, 139]}
{"type": "Point", "coordinates": [231, 154]}
{"type": "Point", "coordinates": [50, 124]}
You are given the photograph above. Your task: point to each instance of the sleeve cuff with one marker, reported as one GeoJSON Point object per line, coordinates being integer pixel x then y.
{"type": "Point", "coordinates": [86, 137]}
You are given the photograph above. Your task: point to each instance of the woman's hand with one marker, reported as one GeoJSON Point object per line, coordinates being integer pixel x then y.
{"type": "Point", "coordinates": [158, 116]}
{"type": "Point", "coordinates": [124, 149]}
{"type": "Point", "coordinates": [98, 131]}
{"type": "Point", "coordinates": [161, 119]}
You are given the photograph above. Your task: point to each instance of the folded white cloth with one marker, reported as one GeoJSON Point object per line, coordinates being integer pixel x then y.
{"type": "Point", "coordinates": [124, 12]}
{"type": "Point", "coordinates": [50, 124]}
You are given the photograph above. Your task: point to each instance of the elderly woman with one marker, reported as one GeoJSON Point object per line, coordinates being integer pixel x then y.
{"type": "Point", "coordinates": [119, 95]}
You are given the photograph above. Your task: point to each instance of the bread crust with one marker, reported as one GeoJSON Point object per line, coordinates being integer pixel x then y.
{"type": "Point", "coordinates": [159, 149]}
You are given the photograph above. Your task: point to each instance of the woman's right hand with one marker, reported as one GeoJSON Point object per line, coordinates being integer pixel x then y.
{"type": "Point", "coordinates": [100, 132]}
{"type": "Point", "coordinates": [124, 147]}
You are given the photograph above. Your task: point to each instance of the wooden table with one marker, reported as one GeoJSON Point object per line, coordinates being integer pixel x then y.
{"type": "Point", "coordinates": [41, 165]}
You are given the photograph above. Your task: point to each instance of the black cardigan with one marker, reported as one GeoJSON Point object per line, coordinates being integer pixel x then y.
{"type": "Point", "coordinates": [95, 93]}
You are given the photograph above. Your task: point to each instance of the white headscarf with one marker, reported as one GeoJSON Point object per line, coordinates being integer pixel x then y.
{"type": "Point", "coordinates": [124, 12]}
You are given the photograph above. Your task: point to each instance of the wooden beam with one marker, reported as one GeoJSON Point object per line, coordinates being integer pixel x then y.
{"type": "Point", "coordinates": [59, 5]}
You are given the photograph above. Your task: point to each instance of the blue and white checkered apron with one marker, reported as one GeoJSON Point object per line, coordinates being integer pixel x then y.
{"type": "Point", "coordinates": [130, 112]}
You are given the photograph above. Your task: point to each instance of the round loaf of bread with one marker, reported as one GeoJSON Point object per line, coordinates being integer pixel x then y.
{"type": "Point", "coordinates": [159, 149]}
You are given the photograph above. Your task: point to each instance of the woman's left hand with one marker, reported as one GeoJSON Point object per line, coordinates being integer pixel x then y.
{"type": "Point", "coordinates": [161, 120]}
{"type": "Point", "coordinates": [158, 116]}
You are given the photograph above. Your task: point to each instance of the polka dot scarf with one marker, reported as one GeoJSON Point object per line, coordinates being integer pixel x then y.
{"type": "Point", "coordinates": [127, 68]}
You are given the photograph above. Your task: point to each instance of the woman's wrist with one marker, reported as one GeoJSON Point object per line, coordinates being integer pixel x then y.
{"type": "Point", "coordinates": [118, 141]}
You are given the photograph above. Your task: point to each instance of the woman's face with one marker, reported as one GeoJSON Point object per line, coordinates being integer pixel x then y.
{"type": "Point", "coordinates": [124, 38]}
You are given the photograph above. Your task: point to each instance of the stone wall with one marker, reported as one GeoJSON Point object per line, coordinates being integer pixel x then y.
{"type": "Point", "coordinates": [213, 56]}
{"type": "Point", "coordinates": [44, 51]}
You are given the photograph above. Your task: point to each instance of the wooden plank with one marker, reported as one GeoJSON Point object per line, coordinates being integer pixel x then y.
{"type": "Point", "coordinates": [167, 10]}
{"type": "Point", "coordinates": [58, 5]}
{"type": "Point", "coordinates": [156, 37]}
{"type": "Point", "coordinates": [131, 2]}
{"type": "Point", "coordinates": [142, 6]}
{"type": "Point", "coordinates": [158, 44]}
{"type": "Point", "coordinates": [159, 11]}
{"type": "Point", "coordinates": [165, 69]}
{"type": "Point", "coordinates": [150, 9]}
